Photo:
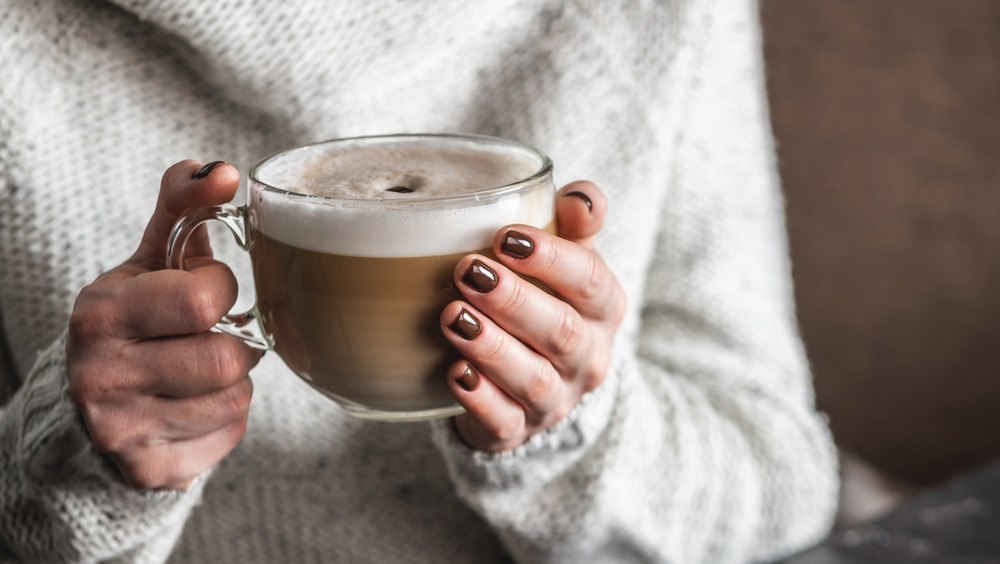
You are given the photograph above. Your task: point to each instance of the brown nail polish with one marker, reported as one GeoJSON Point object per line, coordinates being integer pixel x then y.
{"type": "Point", "coordinates": [206, 170]}
{"type": "Point", "coordinates": [586, 199]}
{"type": "Point", "coordinates": [517, 245]}
{"type": "Point", "coordinates": [480, 277]}
{"type": "Point", "coordinates": [466, 325]}
{"type": "Point", "coordinates": [469, 380]}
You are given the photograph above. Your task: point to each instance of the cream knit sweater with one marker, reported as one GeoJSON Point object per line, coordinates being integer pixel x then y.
{"type": "Point", "coordinates": [702, 445]}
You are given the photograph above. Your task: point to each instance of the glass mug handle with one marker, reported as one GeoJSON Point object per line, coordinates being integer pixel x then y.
{"type": "Point", "coordinates": [246, 325]}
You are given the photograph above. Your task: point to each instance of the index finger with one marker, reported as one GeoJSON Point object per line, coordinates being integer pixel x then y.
{"type": "Point", "coordinates": [580, 209]}
{"type": "Point", "coordinates": [177, 302]}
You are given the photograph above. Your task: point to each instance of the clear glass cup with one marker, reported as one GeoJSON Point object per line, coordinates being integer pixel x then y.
{"type": "Point", "coordinates": [349, 290]}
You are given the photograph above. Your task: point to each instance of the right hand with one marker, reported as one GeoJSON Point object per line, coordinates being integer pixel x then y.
{"type": "Point", "coordinates": [162, 396]}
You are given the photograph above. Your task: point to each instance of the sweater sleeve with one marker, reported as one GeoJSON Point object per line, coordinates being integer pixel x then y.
{"type": "Point", "coordinates": [60, 500]}
{"type": "Point", "coordinates": [703, 444]}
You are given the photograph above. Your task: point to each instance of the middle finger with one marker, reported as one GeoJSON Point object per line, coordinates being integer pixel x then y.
{"type": "Point", "coordinates": [191, 365]}
{"type": "Point", "coordinates": [544, 322]}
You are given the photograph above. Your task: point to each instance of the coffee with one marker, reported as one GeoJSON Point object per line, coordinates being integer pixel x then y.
{"type": "Point", "coordinates": [363, 329]}
{"type": "Point", "coordinates": [353, 245]}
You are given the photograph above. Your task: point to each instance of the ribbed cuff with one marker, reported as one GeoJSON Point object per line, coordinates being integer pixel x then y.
{"type": "Point", "coordinates": [544, 456]}
{"type": "Point", "coordinates": [73, 502]}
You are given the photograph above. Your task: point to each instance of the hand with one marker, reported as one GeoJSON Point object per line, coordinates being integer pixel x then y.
{"type": "Point", "coordinates": [529, 356]}
{"type": "Point", "coordinates": [162, 396]}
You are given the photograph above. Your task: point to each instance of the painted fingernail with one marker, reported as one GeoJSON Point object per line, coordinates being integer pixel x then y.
{"type": "Point", "coordinates": [207, 169]}
{"type": "Point", "coordinates": [480, 277]}
{"type": "Point", "coordinates": [586, 199]}
{"type": "Point", "coordinates": [466, 325]}
{"type": "Point", "coordinates": [469, 380]}
{"type": "Point", "coordinates": [517, 245]}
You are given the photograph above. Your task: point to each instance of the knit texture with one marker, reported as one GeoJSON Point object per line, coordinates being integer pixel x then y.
{"type": "Point", "coordinates": [701, 446]}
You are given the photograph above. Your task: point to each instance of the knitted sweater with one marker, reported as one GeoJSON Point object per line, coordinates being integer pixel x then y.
{"type": "Point", "coordinates": [702, 444]}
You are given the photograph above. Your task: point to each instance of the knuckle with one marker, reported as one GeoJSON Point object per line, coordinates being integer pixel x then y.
{"type": "Point", "coordinates": [236, 430]}
{"type": "Point", "coordinates": [496, 349]}
{"type": "Point", "coordinates": [82, 386]}
{"type": "Point", "coordinates": [81, 325]}
{"type": "Point", "coordinates": [518, 296]}
{"type": "Point", "coordinates": [92, 316]}
{"type": "Point", "coordinates": [234, 400]}
{"type": "Point", "coordinates": [594, 375]}
{"type": "Point", "coordinates": [591, 382]}
{"type": "Point", "coordinates": [95, 376]}
{"type": "Point", "coordinates": [88, 384]}
{"type": "Point", "coordinates": [508, 430]}
{"type": "Point", "coordinates": [106, 438]}
{"type": "Point", "coordinates": [225, 360]}
{"type": "Point", "coordinates": [559, 412]}
{"type": "Point", "coordinates": [540, 388]}
{"type": "Point", "coordinates": [201, 307]}
{"type": "Point", "coordinates": [482, 410]}
{"type": "Point", "coordinates": [595, 284]}
{"type": "Point", "coordinates": [566, 338]}
{"type": "Point", "coordinates": [120, 432]}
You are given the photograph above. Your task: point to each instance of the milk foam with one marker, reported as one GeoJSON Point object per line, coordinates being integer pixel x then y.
{"type": "Point", "coordinates": [324, 214]}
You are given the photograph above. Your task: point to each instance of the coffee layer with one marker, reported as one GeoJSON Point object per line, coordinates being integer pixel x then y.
{"type": "Point", "coordinates": [363, 329]}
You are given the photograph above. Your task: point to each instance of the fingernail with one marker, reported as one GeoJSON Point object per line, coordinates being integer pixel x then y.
{"type": "Point", "coordinates": [517, 245]}
{"type": "Point", "coordinates": [480, 277]}
{"type": "Point", "coordinates": [206, 170]}
{"type": "Point", "coordinates": [466, 325]}
{"type": "Point", "coordinates": [586, 199]}
{"type": "Point", "coordinates": [469, 380]}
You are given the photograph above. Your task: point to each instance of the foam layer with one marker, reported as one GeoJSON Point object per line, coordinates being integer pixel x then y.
{"type": "Point", "coordinates": [398, 223]}
{"type": "Point", "coordinates": [377, 168]}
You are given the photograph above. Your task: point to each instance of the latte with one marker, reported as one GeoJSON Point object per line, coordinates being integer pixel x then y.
{"type": "Point", "coordinates": [353, 245]}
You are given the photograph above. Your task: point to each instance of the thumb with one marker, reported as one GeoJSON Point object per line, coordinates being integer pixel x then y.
{"type": "Point", "coordinates": [186, 185]}
{"type": "Point", "coordinates": [580, 209]}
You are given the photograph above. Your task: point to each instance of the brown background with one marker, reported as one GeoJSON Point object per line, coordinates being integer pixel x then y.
{"type": "Point", "coordinates": [887, 115]}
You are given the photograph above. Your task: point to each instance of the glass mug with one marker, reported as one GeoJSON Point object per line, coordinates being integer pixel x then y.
{"type": "Point", "coordinates": [353, 243]}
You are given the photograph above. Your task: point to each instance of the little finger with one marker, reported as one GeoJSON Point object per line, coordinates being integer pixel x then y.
{"type": "Point", "coordinates": [493, 421]}
{"type": "Point", "coordinates": [580, 210]}
{"type": "Point", "coordinates": [523, 374]}
{"type": "Point", "coordinates": [175, 464]}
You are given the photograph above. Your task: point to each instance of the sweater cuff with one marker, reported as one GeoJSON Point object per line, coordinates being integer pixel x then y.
{"type": "Point", "coordinates": [55, 467]}
{"type": "Point", "coordinates": [54, 444]}
{"type": "Point", "coordinates": [543, 456]}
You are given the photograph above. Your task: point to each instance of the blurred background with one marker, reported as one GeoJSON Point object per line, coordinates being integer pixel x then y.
{"type": "Point", "coordinates": [887, 116]}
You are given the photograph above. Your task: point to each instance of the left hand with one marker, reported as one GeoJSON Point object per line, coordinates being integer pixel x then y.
{"type": "Point", "coordinates": [529, 356]}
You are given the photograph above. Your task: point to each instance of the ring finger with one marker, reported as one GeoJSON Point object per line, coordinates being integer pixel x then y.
{"type": "Point", "coordinates": [523, 374]}
{"type": "Point", "coordinates": [191, 365]}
